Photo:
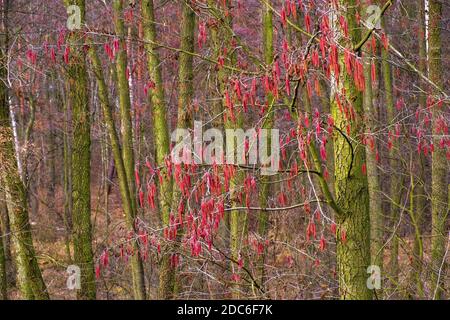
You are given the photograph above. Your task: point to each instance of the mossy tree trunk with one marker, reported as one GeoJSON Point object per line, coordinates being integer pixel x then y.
{"type": "Point", "coordinates": [185, 95]}
{"type": "Point", "coordinates": [137, 267]}
{"type": "Point", "coordinates": [375, 205]}
{"type": "Point", "coordinates": [419, 198]}
{"type": "Point", "coordinates": [6, 230]}
{"type": "Point", "coordinates": [162, 140]}
{"type": "Point", "coordinates": [238, 223]}
{"type": "Point", "coordinates": [30, 279]}
{"type": "Point", "coordinates": [220, 38]}
{"type": "Point", "coordinates": [263, 218]}
{"type": "Point", "coordinates": [67, 176]}
{"type": "Point", "coordinates": [3, 208]}
{"type": "Point", "coordinates": [78, 97]}
{"type": "Point", "coordinates": [440, 165]}
{"type": "Point", "coordinates": [353, 241]}
{"type": "Point", "coordinates": [124, 100]}
{"type": "Point", "coordinates": [238, 220]}
{"type": "Point", "coordinates": [3, 281]}
{"type": "Point", "coordinates": [395, 186]}
{"type": "Point", "coordinates": [31, 283]}
{"type": "Point", "coordinates": [127, 157]}
{"type": "Point", "coordinates": [186, 71]}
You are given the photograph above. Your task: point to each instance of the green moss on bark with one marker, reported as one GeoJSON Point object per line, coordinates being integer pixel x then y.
{"type": "Point", "coordinates": [162, 140]}
{"type": "Point", "coordinates": [266, 186]}
{"type": "Point", "coordinates": [351, 186]}
{"type": "Point", "coordinates": [137, 267]}
{"type": "Point", "coordinates": [78, 97]}
{"type": "Point", "coordinates": [440, 165]}
{"type": "Point", "coordinates": [30, 281]}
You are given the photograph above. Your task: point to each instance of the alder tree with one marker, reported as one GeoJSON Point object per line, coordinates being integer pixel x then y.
{"type": "Point", "coordinates": [229, 149]}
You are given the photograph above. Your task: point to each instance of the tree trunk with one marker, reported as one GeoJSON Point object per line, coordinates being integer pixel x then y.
{"type": "Point", "coordinates": [3, 280]}
{"type": "Point", "coordinates": [136, 261]}
{"type": "Point", "coordinates": [5, 229]}
{"type": "Point", "coordinates": [238, 220]}
{"type": "Point", "coordinates": [219, 36]}
{"type": "Point", "coordinates": [31, 284]}
{"type": "Point", "coordinates": [81, 160]}
{"type": "Point", "coordinates": [30, 279]}
{"type": "Point", "coordinates": [263, 218]}
{"type": "Point", "coordinates": [127, 147]}
{"type": "Point", "coordinates": [420, 197]}
{"type": "Point", "coordinates": [4, 217]}
{"type": "Point", "coordinates": [185, 92]}
{"type": "Point", "coordinates": [376, 213]}
{"type": "Point", "coordinates": [162, 140]}
{"type": "Point", "coordinates": [124, 101]}
{"type": "Point", "coordinates": [67, 178]}
{"type": "Point", "coordinates": [440, 165]}
{"type": "Point", "coordinates": [394, 165]}
{"type": "Point", "coordinates": [353, 241]}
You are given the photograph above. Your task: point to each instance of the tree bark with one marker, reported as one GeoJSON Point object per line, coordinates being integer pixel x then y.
{"type": "Point", "coordinates": [78, 96]}
{"type": "Point", "coordinates": [263, 218]}
{"type": "Point", "coordinates": [124, 101]}
{"type": "Point", "coordinates": [162, 140]}
{"type": "Point", "coordinates": [395, 187]}
{"type": "Point", "coordinates": [3, 280]}
{"type": "Point", "coordinates": [375, 206]}
{"type": "Point", "coordinates": [186, 94]}
{"type": "Point", "coordinates": [420, 198]}
{"type": "Point", "coordinates": [30, 279]}
{"type": "Point", "coordinates": [31, 283]}
{"type": "Point", "coordinates": [440, 165]}
{"type": "Point", "coordinates": [130, 215]}
{"type": "Point", "coordinates": [353, 241]}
